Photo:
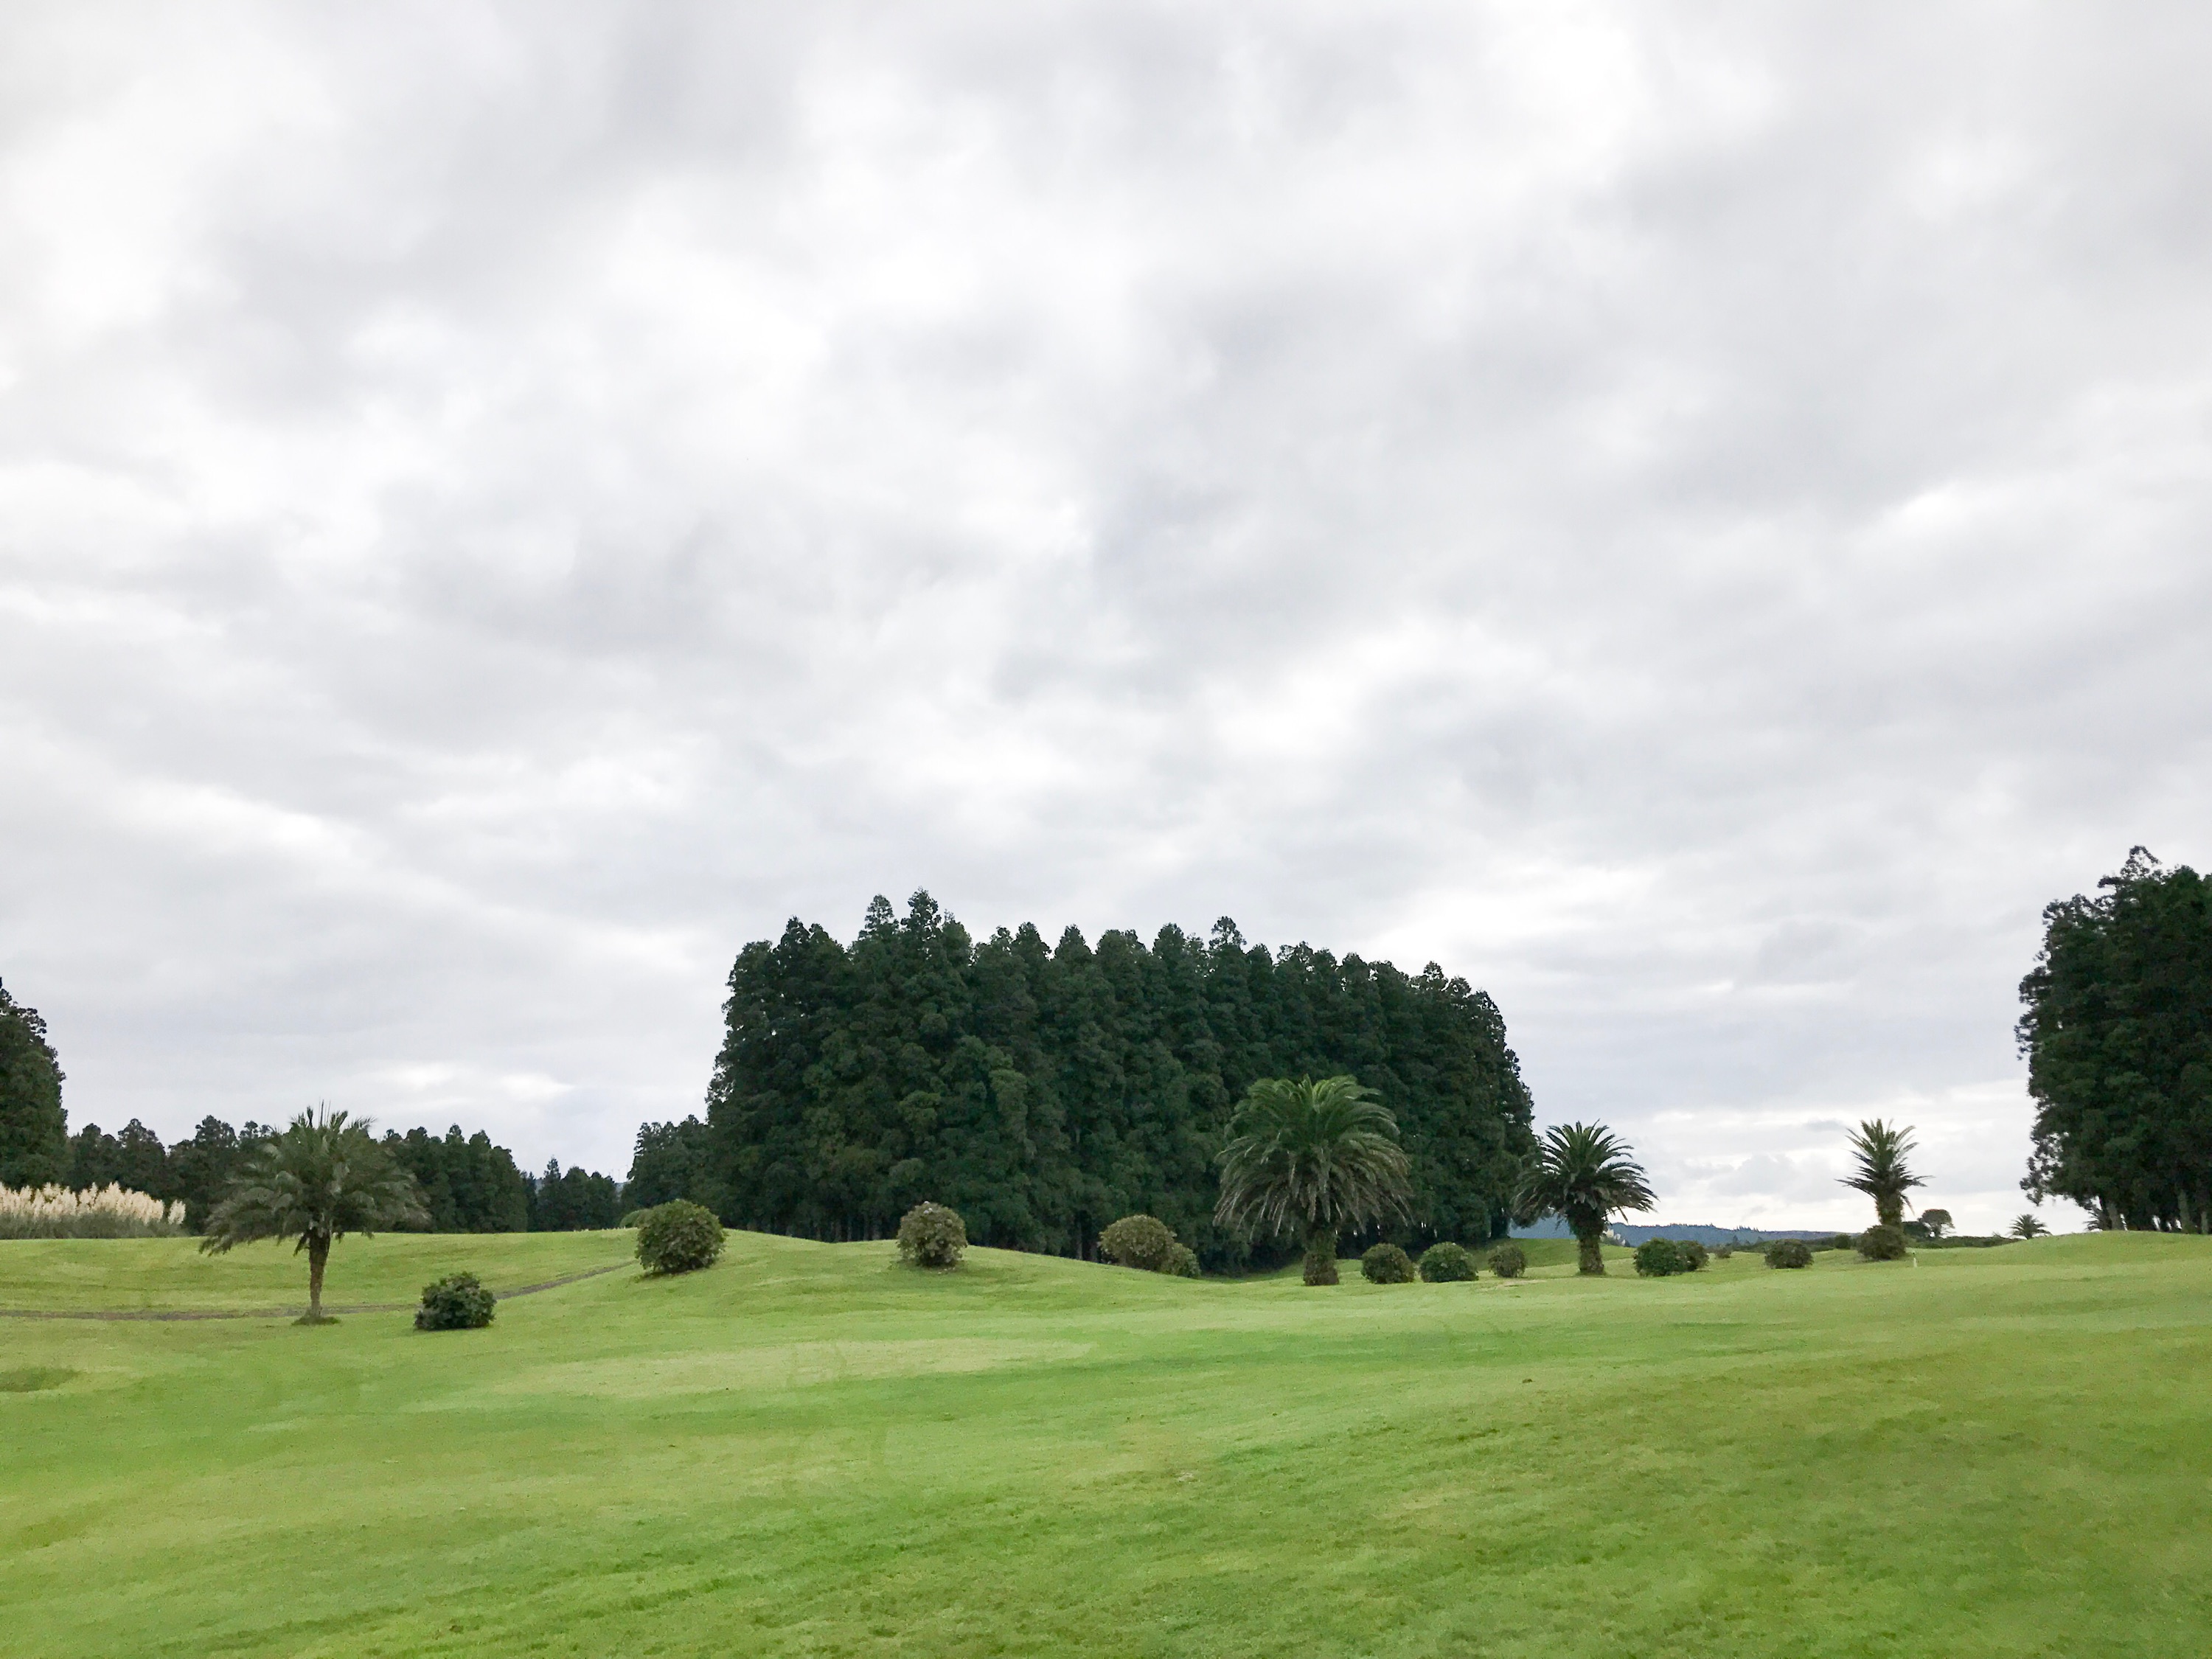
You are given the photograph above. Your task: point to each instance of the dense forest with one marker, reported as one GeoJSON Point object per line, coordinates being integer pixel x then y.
{"type": "Point", "coordinates": [2117, 1032]}
{"type": "Point", "coordinates": [1043, 1090]}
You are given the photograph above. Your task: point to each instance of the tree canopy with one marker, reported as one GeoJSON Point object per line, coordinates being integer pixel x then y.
{"type": "Point", "coordinates": [2117, 1034]}
{"type": "Point", "coordinates": [33, 1130]}
{"type": "Point", "coordinates": [1044, 1089]}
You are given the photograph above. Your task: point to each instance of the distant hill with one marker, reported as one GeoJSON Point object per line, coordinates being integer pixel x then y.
{"type": "Point", "coordinates": [1553, 1227]}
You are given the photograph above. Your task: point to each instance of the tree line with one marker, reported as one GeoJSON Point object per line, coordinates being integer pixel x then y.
{"type": "Point", "coordinates": [467, 1184]}
{"type": "Point", "coordinates": [1044, 1089]}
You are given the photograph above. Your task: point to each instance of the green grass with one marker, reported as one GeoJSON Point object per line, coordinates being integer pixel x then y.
{"type": "Point", "coordinates": [811, 1450]}
{"type": "Point", "coordinates": [171, 1275]}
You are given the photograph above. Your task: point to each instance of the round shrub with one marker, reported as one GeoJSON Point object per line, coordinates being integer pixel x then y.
{"type": "Point", "coordinates": [1660, 1258]}
{"type": "Point", "coordinates": [1182, 1262]}
{"type": "Point", "coordinates": [1507, 1261]}
{"type": "Point", "coordinates": [1386, 1264]}
{"type": "Point", "coordinates": [1446, 1263]}
{"type": "Point", "coordinates": [459, 1302]}
{"type": "Point", "coordinates": [1881, 1243]}
{"type": "Point", "coordinates": [1694, 1254]}
{"type": "Point", "coordinates": [931, 1236]}
{"type": "Point", "coordinates": [678, 1237]}
{"type": "Point", "coordinates": [1788, 1253]}
{"type": "Point", "coordinates": [1724, 1250]}
{"type": "Point", "coordinates": [634, 1217]}
{"type": "Point", "coordinates": [1138, 1241]}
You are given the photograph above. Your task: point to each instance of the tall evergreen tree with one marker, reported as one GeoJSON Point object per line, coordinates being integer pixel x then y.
{"type": "Point", "coordinates": [95, 1158]}
{"type": "Point", "coordinates": [468, 1184]}
{"type": "Point", "coordinates": [34, 1128]}
{"type": "Point", "coordinates": [200, 1168]}
{"type": "Point", "coordinates": [1045, 1089]}
{"type": "Point", "coordinates": [2118, 1033]}
{"type": "Point", "coordinates": [672, 1161]}
{"type": "Point", "coordinates": [575, 1201]}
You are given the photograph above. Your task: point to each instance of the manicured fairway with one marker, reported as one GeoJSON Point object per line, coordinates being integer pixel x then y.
{"type": "Point", "coordinates": [810, 1450]}
{"type": "Point", "coordinates": [167, 1274]}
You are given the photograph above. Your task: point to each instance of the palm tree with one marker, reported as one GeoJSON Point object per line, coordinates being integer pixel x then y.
{"type": "Point", "coordinates": [323, 1178]}
{"type": "Point", "coordinates": [2024, 1226]}
{"type": "Point", "coordinates": [1316, 1156]}
{"type": "Point", "coordinates": [1882, 1175]}
{"type": "Point", "coordinates": [1583, 1172]}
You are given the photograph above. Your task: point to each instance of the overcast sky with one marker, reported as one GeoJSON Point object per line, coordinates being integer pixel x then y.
{"type": "Point", "coordinates": [1694, 518]}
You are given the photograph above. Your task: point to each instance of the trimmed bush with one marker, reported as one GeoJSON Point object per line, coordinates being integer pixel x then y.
{"type": "Point", "coordinates": [459, 1302]}
{"type": "Point", "coordinates": [678, 1237]}
{"type": "Point", "coordinates": [1446, 1263]}
{"type": "Point", "coordinates": [1138, 1241]}
{"type": "Point", "coordinates": [931, 1236]}
{"type": "Point", "coordinates": [1660, 1258]}
{"type": "Point", "coordinates": [1507, 1261]}
{"type": "Point", "coordinates": [1788, 1253]}
{"type": "Point", "coordinates": [634, 1217]}
{"type": "Point", "coordinates": [1386, 1264]}
{"type": "Point", "coordinates": [1182, 1262]}
{"type": "Point", "coordinates": [1881, 1243]}
{"type": "Point", "coordinates": [1695, 1254]}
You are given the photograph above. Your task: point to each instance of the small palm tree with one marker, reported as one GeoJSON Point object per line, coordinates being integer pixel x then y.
{"type": "Point", "coordinates": [2024, 1226]}
{"type": "Point", "coordinates": [323, 1178]}
{"type": "Point", "coordinates": [1319, 1157]}
{"type": "Point", "coordinates": [1882, 1174]}
{"type": "Point", "coordinates": [1583, 1172]}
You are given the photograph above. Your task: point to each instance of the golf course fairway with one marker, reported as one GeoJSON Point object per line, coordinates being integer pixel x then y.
{"type": "Point", "coordinates": [809, 1449]}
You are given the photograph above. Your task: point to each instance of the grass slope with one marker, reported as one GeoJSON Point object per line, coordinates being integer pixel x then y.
{"type": "Point", "coordinates": [171, 1275]}
{"type": "Point", "coordinates": [810, 1450]}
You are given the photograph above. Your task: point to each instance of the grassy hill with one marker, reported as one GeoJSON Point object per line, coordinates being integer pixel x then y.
{"type": "Point", "coordinates": [167, 1274]}
{"type": "Point", "coordinates": [811, 1450]}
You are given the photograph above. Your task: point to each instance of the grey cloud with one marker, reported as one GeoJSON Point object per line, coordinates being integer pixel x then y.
{"type": "Point", "coordinates": [1687, 516]}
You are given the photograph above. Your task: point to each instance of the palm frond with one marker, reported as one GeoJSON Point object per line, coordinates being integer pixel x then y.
{"type": "Point", "coordinates": [324, 1177]}
{"type": "Point", "coordinates": [1584, 1173]}
{"type": "Point", "coordinates": [1882, 1172]}
{"type": "Point", "coordinates": [1302, 1153]}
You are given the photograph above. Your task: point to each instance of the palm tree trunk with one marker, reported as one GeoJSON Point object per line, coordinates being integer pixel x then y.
{"type": "Point", "coordinates": [1589, 1258]}
{"type": "Point", "coordinates": [1320, 1253]}
{"type": "Point", "coordinates": [1889, 1209]}
{"type": "Point", "coordinates": [319, 1256]}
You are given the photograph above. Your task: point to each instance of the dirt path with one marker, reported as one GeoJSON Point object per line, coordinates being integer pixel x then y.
{"type": "Point", "coordinates": [280, 1313]}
